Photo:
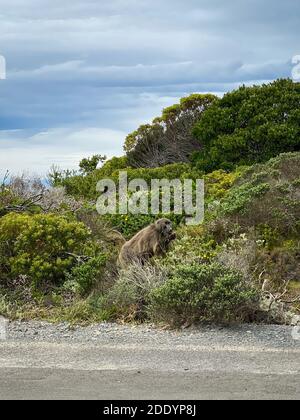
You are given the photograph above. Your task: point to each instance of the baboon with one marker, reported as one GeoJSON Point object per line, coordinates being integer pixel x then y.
{"type": "Point", "coordinates": [153, 240]}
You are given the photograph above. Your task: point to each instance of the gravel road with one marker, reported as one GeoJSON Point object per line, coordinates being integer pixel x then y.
{"type": "Point", "coordinates": [110, 361]}
{"type": "Point", "coordinates": [274, 336]}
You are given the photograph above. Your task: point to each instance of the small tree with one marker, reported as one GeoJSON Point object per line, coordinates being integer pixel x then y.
{"type": "Point", "coordinates": [169, 138]}
{"type": "Point", "coordinates": [57, 176]}
{"type": "Point", "coordinates": [88, 165]}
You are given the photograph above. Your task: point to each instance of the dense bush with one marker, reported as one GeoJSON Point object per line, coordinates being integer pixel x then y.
{"type": "Point", "coordinates": [40, 246]}
{"type": "Point", "coordinates": [193, 245]}
{"type": "Point", "coordinates": [171, 171]}
{"type": "Point", "coordinates": [248, 125]}
{"type": "Point", "coordinates": [267, 194]}
{"type": "Point", "coordinates": [218, 183]}
{"type": "Point", "coordinates": [88, 165]}
{"type": "Point", "coordinates": [83, 277]}
{"type": "Point", "coordinates": [202, 293]}
{"type": "Point", "coordinates": [240, 198]}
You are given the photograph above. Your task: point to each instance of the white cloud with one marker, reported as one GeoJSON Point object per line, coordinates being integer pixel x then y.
{"type": "Point", "coordinates": [144, 75]}
{"type": "Point", "coordinates": [22, 151]}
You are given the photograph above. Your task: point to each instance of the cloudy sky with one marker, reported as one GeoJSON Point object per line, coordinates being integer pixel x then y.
{"type": "Point", "coordinates": [81, 74]}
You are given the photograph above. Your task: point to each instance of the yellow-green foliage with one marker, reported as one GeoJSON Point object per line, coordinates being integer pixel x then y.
{"type": "Point", "coordinates": [193, 244]}
{"type": "Point", "coordinates": [217, 183]}
{"type": "Point", "coordinates": [39, 246]}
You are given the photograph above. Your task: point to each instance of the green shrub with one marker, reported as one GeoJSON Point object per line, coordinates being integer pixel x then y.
{"type": "Point", "coordinates": [84, 277]}
{"type": "Point", "coordinates": [248, 125]}
{"type": "Point", "coordinates": [197, 293]}
{"type": "Point", "coordinates": [217, 185]}
{"type": "Point", "coordinates": [192, 245]}
{"type": "Point", "coordinates": [266, 194]}
{"type": "Point", "coordinates": [129, 224]}
{"type": "Point", "coordinates": [39, 246]}
{"type": "Point", "coordinates": [239, 198]}
{"type": "Point", "coordinates": [88, 165]}
{"type": "Point", "coordinates": [269, 236]}
{"type": "Point", "coordinates": [171, 171]}
{"type": "Point", "coordinates": [113, 164]}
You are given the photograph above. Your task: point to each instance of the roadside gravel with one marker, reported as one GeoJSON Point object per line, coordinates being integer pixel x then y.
{"type": "Point", "coordinates": [246, 335]}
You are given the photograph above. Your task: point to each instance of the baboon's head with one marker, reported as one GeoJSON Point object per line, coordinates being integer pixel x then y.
{"type": "Point", "coordinates": [164, 226]}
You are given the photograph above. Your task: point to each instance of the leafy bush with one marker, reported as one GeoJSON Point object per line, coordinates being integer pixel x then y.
{"type": "Point", "coordinates": [171, 171]}
{"type": "Point", "coordinates": [114, 164]}
{"type": "Point", "coordinates": [217, 184]}
{"type": "Point", "coordinates": [267, 194]}
{"type": "Point", "coordinates": [248, 125]}
{"type": "Point", "coordinates": [202, 293]}
{"type": "Point", "coordinates": [240, 198]}
{"type": "Point", "coordinates": [40, 246]}
{"type": "Point", "coordinates": [268, 236]}
{"type": "Point", "coordinates": [102, 231]}
{"type": "Point", "coordinates": [84, 277]}
{"type": "Point", "coordinates": [129, 224]}
{"type": "Point", "coordinates": [193, 245]}
{"type": "Point", "coordinates": [80, 185]}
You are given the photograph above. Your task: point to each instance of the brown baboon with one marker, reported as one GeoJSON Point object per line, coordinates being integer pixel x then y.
{"type": "Point", "coordinates": [151, 241]}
